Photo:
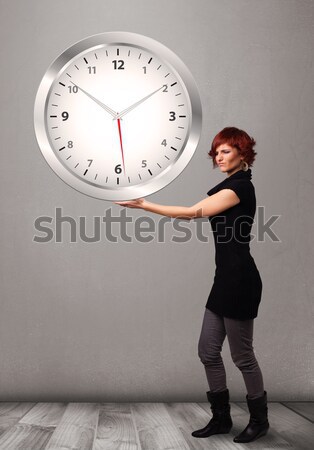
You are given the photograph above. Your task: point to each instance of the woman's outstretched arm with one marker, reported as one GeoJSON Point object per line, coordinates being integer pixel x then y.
{"type": "Point", "coordinates": [210, 206]}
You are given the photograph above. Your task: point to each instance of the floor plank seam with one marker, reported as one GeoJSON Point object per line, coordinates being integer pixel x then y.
{"type": "Point", "coordinates": [17, 421]}
{"type": "Point", "coordinates": [176, 426]}
{"type": "Point", "coordinates": [56, 426]}
{"type": "Point", "coordinates": [296, 412]}
{"type": "Point", "coordinates": [27, 412]}
{"type": "Point", "coordinates": [204, 409]}
{"type": "Point", "coordinates": [96, 427]}
{"type": "Point", "coordinates": [242, 405]}
{"type": "Point", "coordinates": [135, 428]}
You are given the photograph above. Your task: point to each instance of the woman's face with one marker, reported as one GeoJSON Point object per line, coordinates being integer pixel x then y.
{"type": "Point", "coordinates": [228, 159]}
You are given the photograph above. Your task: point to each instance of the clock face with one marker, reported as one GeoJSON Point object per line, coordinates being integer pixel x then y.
{"type": "Point", "coordinates": [117, 116]}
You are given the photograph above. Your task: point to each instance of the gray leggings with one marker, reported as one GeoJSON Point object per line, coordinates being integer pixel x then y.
{"type": "Point", "coordinates": [240, 338]}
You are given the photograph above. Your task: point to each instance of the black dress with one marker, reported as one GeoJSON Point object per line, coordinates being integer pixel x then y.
{"type": "Point", "coordinates": [237, 289]}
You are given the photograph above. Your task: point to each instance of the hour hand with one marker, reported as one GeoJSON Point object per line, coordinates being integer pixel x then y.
{"type": "Point", "coordinates": [105, 107]}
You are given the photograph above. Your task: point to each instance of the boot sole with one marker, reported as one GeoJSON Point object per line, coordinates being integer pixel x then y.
{"type": "Point", "coordinates": [259, 435]}
{"type": "Point", "coordinates": [212, 434]}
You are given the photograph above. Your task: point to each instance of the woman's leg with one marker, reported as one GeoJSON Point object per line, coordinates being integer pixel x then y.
{"type": "Point", "coordinates": [209, 348]}
{"type": "Point", "coordinates": [240, 338]}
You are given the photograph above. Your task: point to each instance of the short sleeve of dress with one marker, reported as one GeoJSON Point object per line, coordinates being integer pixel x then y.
{"type": "Point", "coordinates": [212, 191]}
{"type": "Point", "coordinates": [240, 187]}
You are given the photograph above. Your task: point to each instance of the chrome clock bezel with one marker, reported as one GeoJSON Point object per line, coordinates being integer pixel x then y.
{"type": "Point", "coordinates": [181, 72]}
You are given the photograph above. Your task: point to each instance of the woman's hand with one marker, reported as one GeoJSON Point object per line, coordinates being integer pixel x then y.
{"type": "Point", "coordinates": [137, 203]}
{"type": "Point", "coordinates": [169, 211]}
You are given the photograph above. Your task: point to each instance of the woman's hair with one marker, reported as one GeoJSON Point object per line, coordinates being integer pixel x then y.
{"type": "Point", "coordinates": [235, 138]}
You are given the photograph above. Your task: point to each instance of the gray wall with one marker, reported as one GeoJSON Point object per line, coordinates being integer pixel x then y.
{"type": "Point", "coordinates": [119, 321]}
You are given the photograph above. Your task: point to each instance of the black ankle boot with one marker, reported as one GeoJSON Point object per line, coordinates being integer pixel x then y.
{"type": "Point", "coordinates": [221, 421]}
{"type": "Point", "coordinates": [258, 424]}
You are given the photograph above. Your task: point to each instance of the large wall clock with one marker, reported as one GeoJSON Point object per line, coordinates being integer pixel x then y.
{"type": "Point", "coordinates": [117, 116]}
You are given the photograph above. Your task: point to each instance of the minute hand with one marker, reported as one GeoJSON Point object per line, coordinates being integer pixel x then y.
{"type": "Point", "coordinates": [125, 111]}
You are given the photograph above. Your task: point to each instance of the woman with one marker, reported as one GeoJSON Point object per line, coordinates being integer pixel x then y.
{"type": "Point", "coordinates": [234, 299]}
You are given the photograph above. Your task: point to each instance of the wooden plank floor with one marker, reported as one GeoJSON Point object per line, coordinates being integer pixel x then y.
{"type": "Point", "coordinates": [145, 426]}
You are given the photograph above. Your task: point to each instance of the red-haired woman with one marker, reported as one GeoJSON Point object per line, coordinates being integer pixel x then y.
{"type": "Point", "coordinates": [235, 296]}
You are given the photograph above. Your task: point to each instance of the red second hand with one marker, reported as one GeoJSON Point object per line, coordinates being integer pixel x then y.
{"type": "Point", "coordinates": [120, 134]}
